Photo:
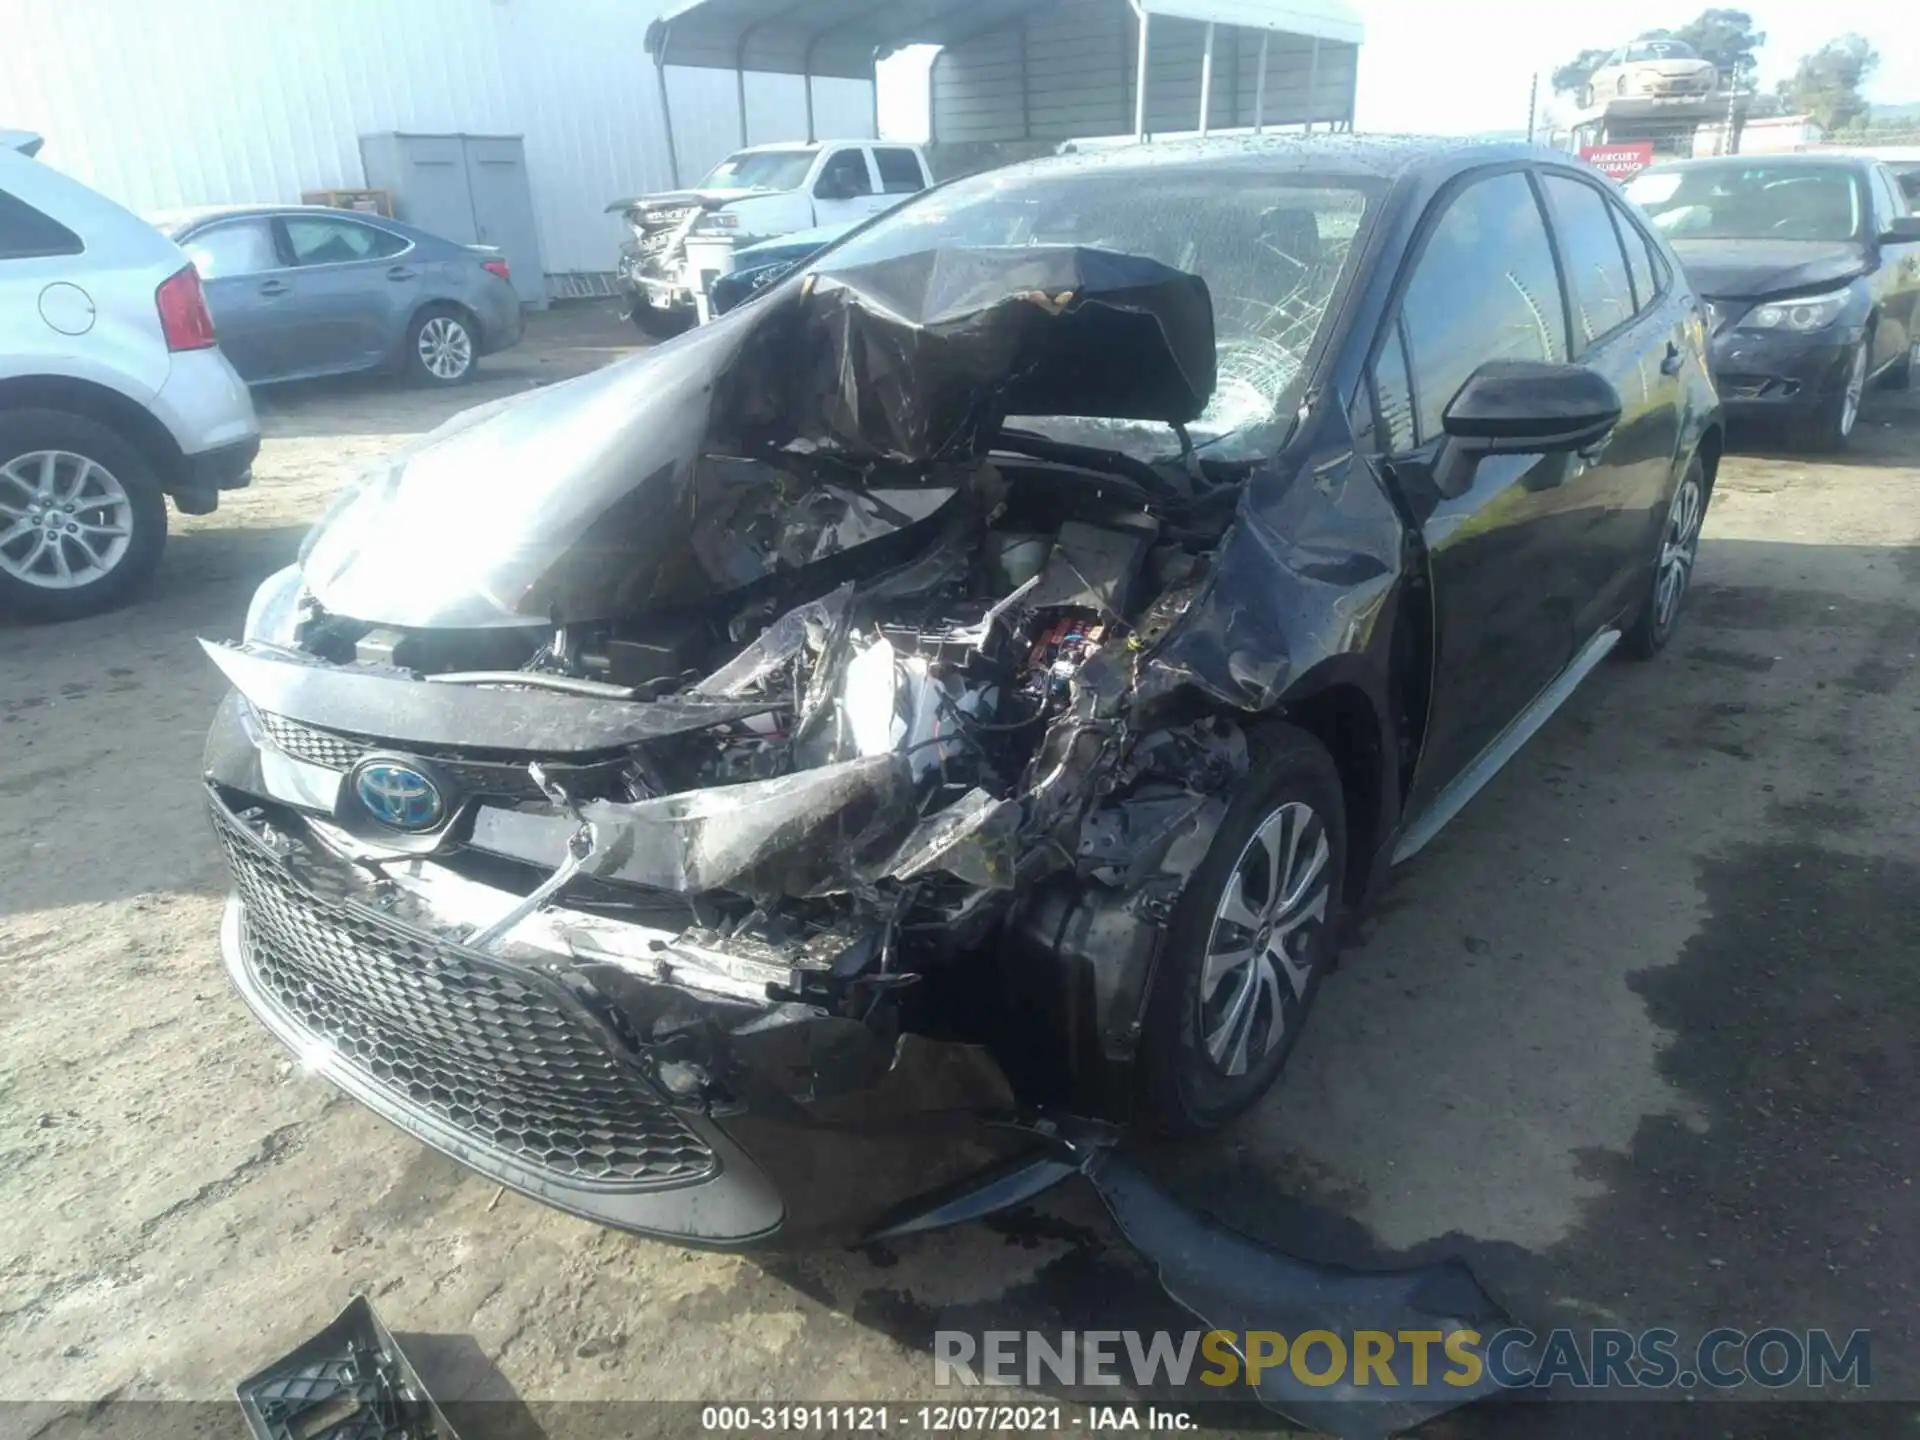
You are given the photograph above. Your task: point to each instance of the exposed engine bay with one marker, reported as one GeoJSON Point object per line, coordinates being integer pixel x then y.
{"type": "Point", "coordinates": [904, 753]}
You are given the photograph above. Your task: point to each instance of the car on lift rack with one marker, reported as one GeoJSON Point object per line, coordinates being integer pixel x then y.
{"type": "Point", "coordinates": [815, 774]}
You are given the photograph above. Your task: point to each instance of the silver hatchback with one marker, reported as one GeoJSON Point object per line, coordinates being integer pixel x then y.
{"type": "Point", "coordinates": [114, 395]}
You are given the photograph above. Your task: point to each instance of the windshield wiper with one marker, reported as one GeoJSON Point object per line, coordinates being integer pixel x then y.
{"type": "Point", "coordinates": [1041, 447]}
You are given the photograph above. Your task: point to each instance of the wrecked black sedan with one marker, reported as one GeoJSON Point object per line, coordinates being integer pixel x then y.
{"type": "Point", "coordinates": [836, 767]}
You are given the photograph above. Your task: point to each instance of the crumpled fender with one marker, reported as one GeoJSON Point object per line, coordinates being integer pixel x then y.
{"type": "Point", "coordinates": [1306, 576]}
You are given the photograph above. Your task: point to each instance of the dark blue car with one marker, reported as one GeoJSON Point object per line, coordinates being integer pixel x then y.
{"type": "Point", "coordinates": [299, 291]}
{"type": "Point", "coordinates": [758, 266]}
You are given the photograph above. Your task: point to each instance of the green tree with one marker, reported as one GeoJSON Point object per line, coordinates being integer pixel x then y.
{"type": "Point", "coordinates": [1576, 72]}
{"type": "Point", "coordinates": [1726, 37]}
{"type": "Point", "coordinates": [1826, 87]}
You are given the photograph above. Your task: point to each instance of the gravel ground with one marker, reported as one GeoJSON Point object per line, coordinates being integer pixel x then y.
{"type": "Point", "coordinates": [1634, 1036]}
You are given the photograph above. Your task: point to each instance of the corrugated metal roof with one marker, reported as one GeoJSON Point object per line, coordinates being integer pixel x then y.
{"type": "Point", "coordinates": [842, 37]}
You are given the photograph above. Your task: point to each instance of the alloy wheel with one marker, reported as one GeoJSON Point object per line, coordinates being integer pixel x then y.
{"type": "Point", "coordinates": [1856, 388]}
{"type": "Point", "coordinates": [446, 349]}
{"type": "Point", "coordinates": [1265, 926]}
{"type": "Point", "coordinates": [1679, 544]}
{"type": "Point", "coordinates": [65, 521]}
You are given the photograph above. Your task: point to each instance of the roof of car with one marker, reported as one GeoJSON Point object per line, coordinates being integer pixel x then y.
{"type": "Point", "coordinates": [1370, 156]}
{"type": "Point", "coordinates": [178, 222]}
{"type": "Point", "coordinates": [809, 146]}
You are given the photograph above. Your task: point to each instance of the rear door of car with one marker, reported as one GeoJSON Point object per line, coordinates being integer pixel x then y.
{"type": "Point", "coordinates": [249, 293]}
{"type": "Point", "coordinates": [1481, 285]}
{"type": "Point", "coordinates": [1613, 498]}
{"type": "Point", "coordinates": [355, 286]}
{"type": "Point", "coordinates": [900, 172]}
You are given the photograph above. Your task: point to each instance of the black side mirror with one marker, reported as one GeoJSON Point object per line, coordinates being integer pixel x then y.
{"type": "Point", "coordinates": [833, 187]}
{"type": "Point", "coordinates": [1520, 407]}
{"type": "Point", "coordinates": [1512, 406]}
{"type": "Point", "coordinates": [1902, 230]}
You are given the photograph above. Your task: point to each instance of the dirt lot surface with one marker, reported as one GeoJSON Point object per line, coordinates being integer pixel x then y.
{"type": "Point", "coordinates": [1635, 1036]}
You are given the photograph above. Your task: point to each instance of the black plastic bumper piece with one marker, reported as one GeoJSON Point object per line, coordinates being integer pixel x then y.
{"type": "Point", "coordinates": [226, 467]}
{"type": "Point", "coordinates": [351, 1381]}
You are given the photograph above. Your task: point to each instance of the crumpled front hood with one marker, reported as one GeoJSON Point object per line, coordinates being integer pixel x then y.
{"type": "Point", "coordinates": [1755, 269]}
{"type": "Point", "coordinates": [824, 418]}
{"type": "Point", "coordinates": [679, 199]}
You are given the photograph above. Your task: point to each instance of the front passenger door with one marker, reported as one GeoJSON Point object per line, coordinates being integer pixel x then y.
{"type": "Point", "coordinates": [845, 190]}
{"type": "Point", "coordinates": [1482, 287]}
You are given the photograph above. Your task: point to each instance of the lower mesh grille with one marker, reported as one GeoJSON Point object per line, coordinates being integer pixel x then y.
{"type": "Point", "coordinates": [478, 1045]}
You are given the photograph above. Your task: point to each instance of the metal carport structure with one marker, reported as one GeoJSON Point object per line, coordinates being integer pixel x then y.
{"type": "Point", "coordinates": [1047, 69]}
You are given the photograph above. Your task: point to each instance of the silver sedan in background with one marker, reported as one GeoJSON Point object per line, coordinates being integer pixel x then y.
{"type": "Point", "coordinates": [299, 291]}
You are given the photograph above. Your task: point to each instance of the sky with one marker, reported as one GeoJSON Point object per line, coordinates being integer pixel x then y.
{"type": "Point", "coordinates": [1458, 68]}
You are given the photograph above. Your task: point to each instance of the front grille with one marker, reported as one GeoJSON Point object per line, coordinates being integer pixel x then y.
{"type": "Point", "coordinates": [316, 747]}
{"type": "Point", "coordinates": [490, 1049]}
{"type": "Point", "coordinates": [338, 751]}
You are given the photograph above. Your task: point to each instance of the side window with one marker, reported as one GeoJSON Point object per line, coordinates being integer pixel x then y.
{"type": "Point", "coordinates": [1393, 396]}
{"type": "Point", "coordinates": [844, 175]}
{"type": "Point", "coordinates": [1484, 288]}
{"type": "Point", "coordinates": [319, 240]}
{"type": "Point", "coordinates": [1597, 276]}
{"type": "Point", "coordinates": [1886, 201]}
{"type": "Point", "coordinates": [1639, 258]}
{"type": "Point", "coordinates": [238, 247]}
{"type": "Point", "coordinates": [899, 170]}
{"type": "Point", "coordinates": [26, 233]}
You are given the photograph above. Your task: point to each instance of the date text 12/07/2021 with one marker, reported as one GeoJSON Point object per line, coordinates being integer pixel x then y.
{"type": "Point", "coordinates": [942, 1419]}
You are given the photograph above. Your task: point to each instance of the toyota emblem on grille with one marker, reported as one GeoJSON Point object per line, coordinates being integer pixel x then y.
{"type": "Point", "coordinates": [397, 794]}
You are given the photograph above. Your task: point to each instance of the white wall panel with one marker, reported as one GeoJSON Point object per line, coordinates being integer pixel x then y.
{"type": "Point", "coordinates": [211, 101]}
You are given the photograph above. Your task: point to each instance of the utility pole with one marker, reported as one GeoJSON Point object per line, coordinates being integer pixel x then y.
{"type": "Point", "coordinates": [1533, 104]}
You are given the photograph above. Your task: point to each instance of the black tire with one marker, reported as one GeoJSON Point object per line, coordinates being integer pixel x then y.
{"type": "Point", "coordinates": [1830, 425]}
{"type": "Point", "coordinates": [25, 433]}
{"type": "Point", "coordinates": [458, 356]}
{"type": "Point", "coordinates": [1656, 621]}
{"type": "Point", "coordinates": [1185, 1090]}
{"type": "Point", "coordinates": [658, 323]}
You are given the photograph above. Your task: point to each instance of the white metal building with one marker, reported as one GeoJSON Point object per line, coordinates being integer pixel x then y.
{"type": "Point", "coordinates": [213, 101]}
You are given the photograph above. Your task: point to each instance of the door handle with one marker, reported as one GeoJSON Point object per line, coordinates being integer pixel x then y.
{"type": "Point", "coordinates": [1670, 362]}
{"type": "Point", "coordinates": [274, 287]}
{"type": "Point", "coordinates": [401, 272]}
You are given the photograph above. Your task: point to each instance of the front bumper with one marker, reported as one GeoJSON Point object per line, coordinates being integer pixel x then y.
{"type": "Point", "coordinates": [569, 1065]}
{"type": "Point", "coordinates": [638, 278]}
{"type": "Point", "coordinates": [1764, 373]}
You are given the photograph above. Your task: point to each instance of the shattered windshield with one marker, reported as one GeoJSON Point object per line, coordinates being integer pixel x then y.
{"type": "Point", "coordinates": [760, 170]}
{"type": "Point", "coordinates": [1274, 250]}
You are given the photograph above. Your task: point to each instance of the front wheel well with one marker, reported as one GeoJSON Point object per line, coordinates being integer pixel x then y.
{"type": "Point", "coordinates": [1344, 720]}
{"type": "Point", "coordinates": [126, 417]}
